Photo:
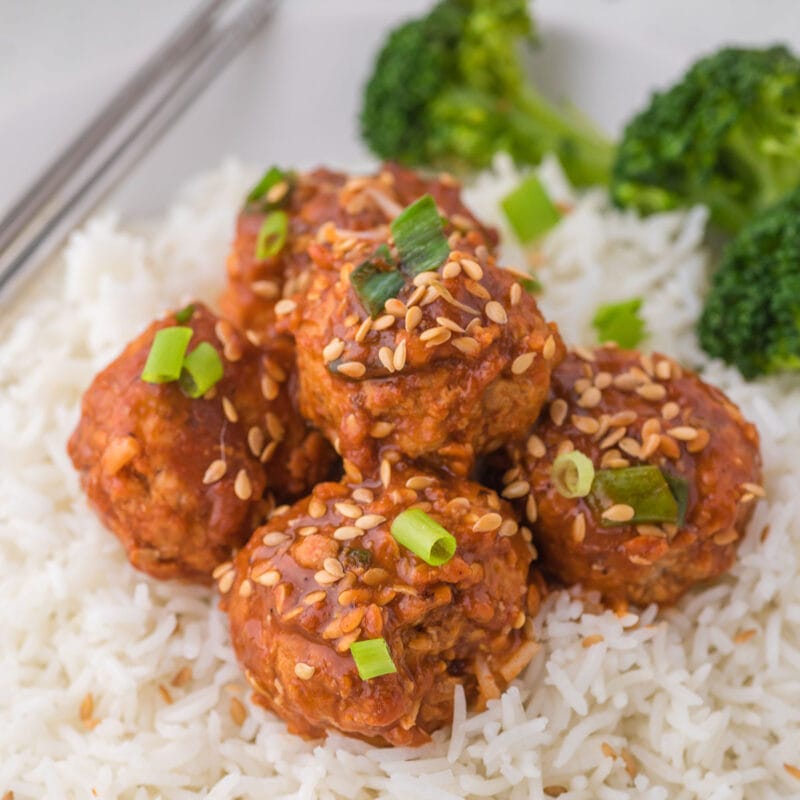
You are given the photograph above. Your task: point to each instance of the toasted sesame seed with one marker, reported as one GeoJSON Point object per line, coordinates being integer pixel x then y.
{"type": "Point", "coordinates": [349, 510]}
{"type": "Point", "coordinates": [303, 671]}
{"type": "Point", "coordinates": [587, 425]}
{"type": "Point", "coordinates": [323, 577]}
{"type": "Point", "coordinates": [237, 711]}
{"type": "Point", "coordinates": [626, 382]}
{"type": "Point", "coordinates": [651, 530]}
{"type": "Point", "coordinates": [558, 411]}
{"type": "Point", "coordinates": [631, 446]}
{"type": "Point", "coordinates": [522, 363]}
{"type": "Point", "coordinates": [620, 512]}
{"type": "Point", "coordinates": [754, 488]}
{"type": "Point", "coordinates": [549, 348]}
{"type": "Point", "coordinates": [221, 569]}
{"type": "Point", "coordinates": [726, 537]}
{"type": "Point", "coordinates": [384, 322]}
{"type": "Point", "coordinates": [352, 472]}
{"type": "Point", "coordinates": [385, 472]}
{"type": "Point", "coordinates": [253, 337]}
{"type": "Point", "coordinates": [277, 192]}
{"type": "Point", "coordinates": [663, 370]}
{"type": "Point", "coordinates": [466, 344]}
{"type": "Point", "coordinates": [511, 474]}
{"type": "Point", "coordinates": [399, 357]}
{"type": "Point", "coordinates": [363, 329]}
{"type": "Point", "coordinates": [650, 445]}
{"type": "Point", "coordinates": [269, 387]}
{"type": "Point", "coordinates": [269, 290]}
{"type": "Point", "coordinates": [307, 530]}
{"type": "Point", "coordinates": [363, 495]}
{"type": "Point", "coordinates": [603, 380]}
{"type": "Point", "coordinates": [381, 429]}
{"type": "Point", "coordinates": [476, 289]}
{"type": "Point", "coordinates": [452, 269]}
{"type": "Point", "coordinates": [431, 294]}
{"type": "Point", "coordinates": [434, 333]}
{"type": "Point", "coordinates": [275, 371]}
{"type": "Point", "coordinates": [226, 581]}
{"type": "Point", "coordinates": [670, 410]}
{"type": "Point", "coordinates": [612, 438]}
{"type": "Point", "coordinates": [245, 588]}
{"type": "Point", "coordinates": [332, 350]}
{"type": "Point", "coordinates": [566, 446]}
{"type": "Point", "coordinates": [699, 442]}
{"type": "Point", "coordinates": [347, 532]}
{"type": "Point", "coordinates": [622, 419]}
{"type": "Point", "coordinates": [471, 268]}
{"type": "Point", "coordinates": [581, 385]}
{"type": "Point", "coordinates": [531, 510]}
{"type": "Point", "coordinates": [352, 369]}
{"type": "Point", "coordinates": [579, 528]}
{"type": "Point", "coordinates": [242, 487]}
{"type": "Point", "coordinates": [535, 446]}
{"type": "Point", "coordinates": [446, 322]}
{"type": "Point", "coordinates": [683, 433]}
{"type": "Point", "coordinates": [314, 597]}
{"type": "Point", "coordinates": [215, 471]}
{"type": "Point", "coordinates": [415, 296]}
{"type": "Point", "coordinates": [669, 447]}
{"type": "Point", "coordinates": [508, 528]}
{"type": "Point", "coordinates": [651, 426]}
{"type": "Point", "coordinates": [584, 353]}
{"type": "Point", "coordinates": [496, 313]}
{"type": "Point", "coordinates": [285, 306]}
{"type": "Point", "coordinates": [268, 452]}
{"type": "Point", "coordinates": [275, 427]}
{"type": "Point", "coordinates": [255, 440]}
{"type": "Point", "coordinates": [274, 538]}
{"type": "Point", "coordinates": [412, 319]}
{"type": "Point", "coordinates": [385, 356]}
{"type": "Point", "coordinates": [515, 294]}
{"type": "Point", "coordinates": [516, 489]}
{"type": "Point", "coordinates": [590, 398]}
{"type": "Point", "coordinates": [395, 307]}
{"type": "Point", "coordinates": [652, 391]}
{"type": "Point", "coordinates": [369, 521]}
{"type": "Point", "coordinates": [333, 566]}
{"type": "Point", "coordinates": [420, 482]}
{"type": "Point", "coordinates": [488, 522]}
{"type": "Point", "coordinates": [375, 576]}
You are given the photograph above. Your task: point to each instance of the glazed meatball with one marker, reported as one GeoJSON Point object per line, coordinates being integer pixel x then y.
{"type": "Point", "coordinates": [327, 572]}
{"type": "Point", "coordinates": [457, 364]}
{"type": "Point", "coordinates": [622, 409]}
{"type": "Point", "coordinates": [318, 205]}
{"type": "Point", "coordinates": [180, 481]}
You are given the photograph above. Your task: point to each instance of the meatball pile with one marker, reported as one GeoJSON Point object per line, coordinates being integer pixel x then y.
{"type": "Point", "coordinates": [286, 482]}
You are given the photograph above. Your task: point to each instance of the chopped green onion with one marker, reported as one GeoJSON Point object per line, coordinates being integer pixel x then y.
{"type": "Point", "coordinates": [531, 285]}
{"type": "Point", "coordinates": [185, 314]}
{"type": "Point", "coordinates": [202, 368]}
{"type": "Point", "coordinates": [372, 658]}
{"type": "Point", "coordinates": [679, 487]}
{"type": "Point", "coordinates": [644, 488]}
{"type": "Point", "coordinates": [620, 323]}
{"type": "Point", "coordinates": [375, 285]}
{"type": "Point", "coordinates": [529, 210]}
{"type": "Point", "coordinates": [272, 236]}
{"type": "Point", "coordinates": [165, 359]}
{"type": "Point", "coordinates": [419, 237]}
{"type": "Point", "coordinates": [270, 178]}
{"type": "Point", "coordinates": [424, 537]}
{"type": "Point", "coordinates": [572, 474]}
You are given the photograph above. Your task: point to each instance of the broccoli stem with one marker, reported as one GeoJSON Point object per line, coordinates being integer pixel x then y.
{"type": "Point", "coordinates": [538, 128]}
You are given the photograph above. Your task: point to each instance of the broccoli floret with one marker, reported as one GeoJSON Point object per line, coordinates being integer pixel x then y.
{"type": "Point", "coordinates": [727, 135]}
{"type": "Point", "coordinates": [449, 90]}
{"type": "Point", "coordinates": [752, 314]}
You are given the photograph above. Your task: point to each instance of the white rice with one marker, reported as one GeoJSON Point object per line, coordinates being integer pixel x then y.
{"type": "Point", "coordinates": [700, 714]}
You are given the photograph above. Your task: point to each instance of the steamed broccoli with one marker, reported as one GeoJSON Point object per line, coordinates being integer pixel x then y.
{"type": "Point", "coordinates": [727, 135]}
{"type": "Point", "coordinates": [752, 313]}
{"type": "Point", "coordinates": [449, 90]}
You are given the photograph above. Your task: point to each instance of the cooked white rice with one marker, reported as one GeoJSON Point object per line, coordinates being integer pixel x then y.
{"type": "Point", "coordinates": [703, 700]}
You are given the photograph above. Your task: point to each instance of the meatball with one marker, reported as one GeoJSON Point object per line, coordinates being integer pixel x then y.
{"type": "Point", "coordinates": [317, 204]}
{"type": "Point", "coordinates": [180, 481]}
{"type": "Point", "coordinates": [622, 409]}
{"type": "Point", "coordinates": [327, 572]}
{"type": "Point", "coordinates": [458, 364]}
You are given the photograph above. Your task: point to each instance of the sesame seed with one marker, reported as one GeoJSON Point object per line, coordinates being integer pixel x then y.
{"type": "Point", "coordinates": [275, 371]}
{"type": "Point", "coordinates": [488, 522]}
{"type": "Point", "coordinates": [471, 268]}
{"type": "Point", "coordinates": [647, 363]}
{"type": "Point", "coordinates": [237, 711]}
{"type": "Point", "coordinates": [333, 566]}
{"type": "Point", "coordinates": [531, 510]}
{"type": "Point", "coordinates": [352, 472]}
{"type": "Point", "coordinates": [415, 296]}
{"type": "Point", "coordinates": [683, 433]}
{"type": "Point", "coordinates": [277, 192]}
{"type": "Point", "coordinates": [584, 353]}
{"type": "Point", "coordinates": [650, 445]}
{"type": "Point", "coordinates": [755, 489]}
{"type": "Point", "coordinates": [431, 293]}
{"type": "Point", "coordinates": [352, 369]}
{"type": "Point", "coordinates": [535, 446]}
{"type": "Point", "coordinates": [663, 370]}
{"type": "Point", "coordinates": [590, 398]}
{"type": "Point", "coordinates": [303, 671]}
{"type": "Point", "coordinates": [522, 363]}
{"type": "Point", "coordinates": [603, 380]}
{"type": "Point", "coordinates": [385, 355]}
{"type": "Point", "coordinates": [324, 578]}
{"type": "Point", "coordinates": [269, 387]}
{"type": "Point", "coordinates": [347, 532]}
{"type": "Point", "coordinates": [399, 357]}
{"type": "Point", "coordinates": [375, 576]}
{"type": "Point", "coordinates": [581, 385]}
{"type": "Point", "coordinates": [558, 411]}
{"type": "Point", "coordinates": [255, 440]}
{"type": "Point", "coordinates": [622, 419]}
{"type": "Point", "coordinates": [446, 322]}
{"type": "Point", "coordinates": [229, 410]}
{"type": "Point", "coordinates": [425, 278]}
{"type": "Point", "coordinates": [350, 320]}
{"type": "Point", "coordinates": [420, 482]}
{"type": "Point", "coordinates": [669, 447]}
{"type": "Point", "coordinates": [395, 307]}
{"type": "Point", "coordinates": [726, 537]}
{"type": "Point", "coordinates": [275, 427]}
{"type": "Point", "coordinates": [652, 391]}
{"type": "Point", "coordinates": [384, 322]}
{"type": "Point", "coordinates": [588, 425]}
{"type": "Point", "coordinates": [363, 330]}
{"type": "Point", "coordinates": [579, 528]}
{"type": "Point", "coordinates": [274, 538]}
{"type": "Point", "coordinates": [476, 289]}
{"type": "Point", "coordinates": [412, 319]}
{"type": "Point", "coordinates": [496, 313]}
{"type": "Point", "coordinates": [670, 410]}
{"type": "Point", "coordinates": [221, 569]}
{"type": "Point", "coordinates": [215, 471]}
{"type": "Point", "coordinates": [515, 294]}
{"type": "Point", "coordinates": [549, 348]}
{"type": "Point", "coordinates": [269, 290]}
{"type": "Point", "coordinates": [245, 588]}
{"type": "Point", "coordinates": [369, 521]}
{"type": "Point", "coordinates": [651, 530]}
{"type": "Point", "coordinates": [516, 489]}
{"type": "Point", "coordinates": [226, 581]}
{"type": "Point", "coordinates": [314, 597]}
{"type": "Point", "coordinates": [699, 442]}
{"type": "Point", "coordinates": [433, 333]}
{"type": "Point", "coordinates": [307, 530]}
{"type": "Point", "coordinates": [349, 510]}
{"type": "Point", "coordinates": [508, 528]}
{"type": "Point", "coordinates": [466, 344]}
{"type": "Point", "coordinates": [612, 438]}
{"type": "Point", "coordinates": [631, 446]}
{"type": "Point", "coordinates": [285, 307]}
{"type": "Point", "coordinates": [619, 513]}
{"type": "Point", "coordinates": [626, 382]}
{"type": "Point", "coordinates": [242, 487]}
{"type": "Point", "coordinates": [451, 269]}
{"type": "Point", "coordinates": [566, 446]}
{"type": "Point", "coordinates": [651, 426]}
{"type": "Point", "coordinates": [223, 331]}
{"type": "Point", "coordinates": [268, 452]}
{"type": "Point", "coordinates": [381, 429]}
{"type": "Point", "coordinates": [385, 472]}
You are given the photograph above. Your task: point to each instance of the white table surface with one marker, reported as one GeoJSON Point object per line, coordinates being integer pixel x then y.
{"type": "Point", "coordinates": [293, 96]}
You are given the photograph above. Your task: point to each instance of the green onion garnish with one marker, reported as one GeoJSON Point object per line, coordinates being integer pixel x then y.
{"type": "Point", "coordinates": [419, 237]}
{"type": "Point", "coordinates": [202, 368]}
{"type": "Point", "coordinates": [372, 658]}
{"type": "Point", "coordinates": [644, 488]}
{"type": "Point", "coordinates": [620, 323]}
{"type": "Point", "coordinates": [529, 209]}
{"type": "Point", "coordinates": [373, 284]}
{"type": "Point", "coordinates": [679, 487]}
{"type": "Point", "coordinates": [165, 359]}
{"type": "Point", "coordinates": [531, 285]}
{"type": "Point", "coordinates": [424, 537]}
{"type": "Point", "coordinates": [270, 178]}
{"type": "Point", "coordinates": [272, 236]}
{"type": "Point", "coordinates": [572, 474]}
{"type": "Point", "coordinates": [185, 314]}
